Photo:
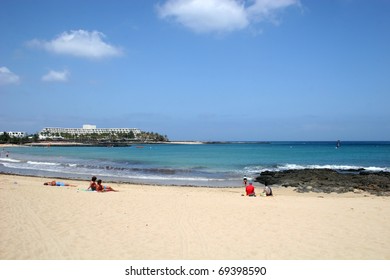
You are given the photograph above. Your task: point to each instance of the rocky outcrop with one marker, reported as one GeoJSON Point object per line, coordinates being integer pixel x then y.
{"type": "Point", "coordinates": [327, 181]}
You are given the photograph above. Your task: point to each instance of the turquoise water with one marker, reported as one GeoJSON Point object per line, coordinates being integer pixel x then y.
{"type": "Point", "coordinates": [201, 165]}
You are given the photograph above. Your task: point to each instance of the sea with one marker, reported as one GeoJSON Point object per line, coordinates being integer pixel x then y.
{"type": "Point", "coordinates": [209, 165]}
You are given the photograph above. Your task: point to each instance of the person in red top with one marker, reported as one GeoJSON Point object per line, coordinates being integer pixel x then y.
{"type": "Point", "coordinates": [250, 189]}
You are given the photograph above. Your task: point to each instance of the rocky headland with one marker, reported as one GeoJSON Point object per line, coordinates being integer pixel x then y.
{"type": "Point", "coordinates": [327, 180]}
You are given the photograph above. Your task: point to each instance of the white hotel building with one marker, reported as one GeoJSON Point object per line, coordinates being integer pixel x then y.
{"type": "Point", "coordinates": [16, 134]}
{"type": "Point", "coordinates": [87, 129]}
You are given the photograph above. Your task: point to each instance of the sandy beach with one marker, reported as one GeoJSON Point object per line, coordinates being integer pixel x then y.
{"type": "Point", "coordinates": [184, 223]}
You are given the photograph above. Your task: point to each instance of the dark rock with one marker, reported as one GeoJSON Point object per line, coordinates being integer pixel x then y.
{"type": "Point", "coordinates": [327, 180]}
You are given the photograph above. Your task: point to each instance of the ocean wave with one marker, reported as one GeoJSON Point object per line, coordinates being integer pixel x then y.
{"type": "Point", "coordinates": [285, 167]}
{"type": "Point", "coordinates": [43, 163]}
{"type": "Point", "coordinates": [108, 170]}
{"type": "Point", "coordinates": [336, 167]}
{"type": "Point", "coordinates": [9, 160]}
{"type": "Point", "coordinates": [131, 175]}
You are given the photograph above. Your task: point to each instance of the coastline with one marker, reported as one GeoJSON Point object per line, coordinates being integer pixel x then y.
{"type": "Point", "coordinates": [177, 163]}
{"type": "Point", "coordinates": [78, 144]}
{"type": "Point", "coordinates": [183, 223]}
{"type": "Point", "coordinates": [103, 144]}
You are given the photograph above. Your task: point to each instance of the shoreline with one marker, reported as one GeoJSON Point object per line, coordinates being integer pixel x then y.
{"type": "Point", "coordinates": [301, 180]}
{"type": "Point", "coordinates": [183, 223]}
{"type": "Point", "coordinates": [108, 181]}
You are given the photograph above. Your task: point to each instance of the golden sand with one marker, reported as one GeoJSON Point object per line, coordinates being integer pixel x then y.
{"type": "Point", "coordinates": [184, 223]}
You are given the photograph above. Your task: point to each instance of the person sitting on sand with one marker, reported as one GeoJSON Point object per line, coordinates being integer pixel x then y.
{"type": "Point", "coordinates": [101, 188]}
{"type": "Point", "coordinates": [267, 191]}
{"type": "Point", "coordinates": [92, 184]}
{"type": "Point", "coordinates": [250, 189]}
{"type": "Point", "coordinates": [59, 184]}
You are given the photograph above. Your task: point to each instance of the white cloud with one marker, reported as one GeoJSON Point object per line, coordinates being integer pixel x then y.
{"type": "Point", "coordinates": [7, 77]}
{"type": "Point", "coordinates": [79, 43]}
{"type": "Point", "coordinates": [266, 9]}
{"type": "Point", "coordinates": [221, 15]}
{"type": "Point", "coordinates": [56, 76]}
{"type": "Point", "coordinates": [206, 15]}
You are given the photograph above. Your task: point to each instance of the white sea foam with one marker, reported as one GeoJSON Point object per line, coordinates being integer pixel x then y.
{"type": "Point", "coordinates": [42, 163]}
{"type": "Point", "coordinates": [377, 169]}
{"type": "Point", "coordinates": [9, 160]}
{"type": "Point", "coordinates": [259, 169]}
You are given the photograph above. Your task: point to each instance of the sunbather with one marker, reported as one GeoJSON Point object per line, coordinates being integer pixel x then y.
{"type": "Point", "coordinates": [101, 188]}
{"type": "Point", "coordinates": [58, 184]}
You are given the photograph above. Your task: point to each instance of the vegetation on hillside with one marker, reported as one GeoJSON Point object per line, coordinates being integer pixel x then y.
{"type": "Point", "coordinates": [5, 138]}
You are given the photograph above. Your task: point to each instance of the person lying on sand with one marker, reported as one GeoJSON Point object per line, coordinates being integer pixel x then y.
{"type": "Point", "coordinates": [59, 184]}
{"type": "Point", "coordinates": [101, 188]}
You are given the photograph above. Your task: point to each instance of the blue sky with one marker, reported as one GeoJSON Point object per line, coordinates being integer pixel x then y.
{"type": "Point", "coordinates": [199, 69]}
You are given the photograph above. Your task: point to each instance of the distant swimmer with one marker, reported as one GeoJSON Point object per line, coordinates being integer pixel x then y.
{"type": "Point", "coordinates": [338, 144]}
